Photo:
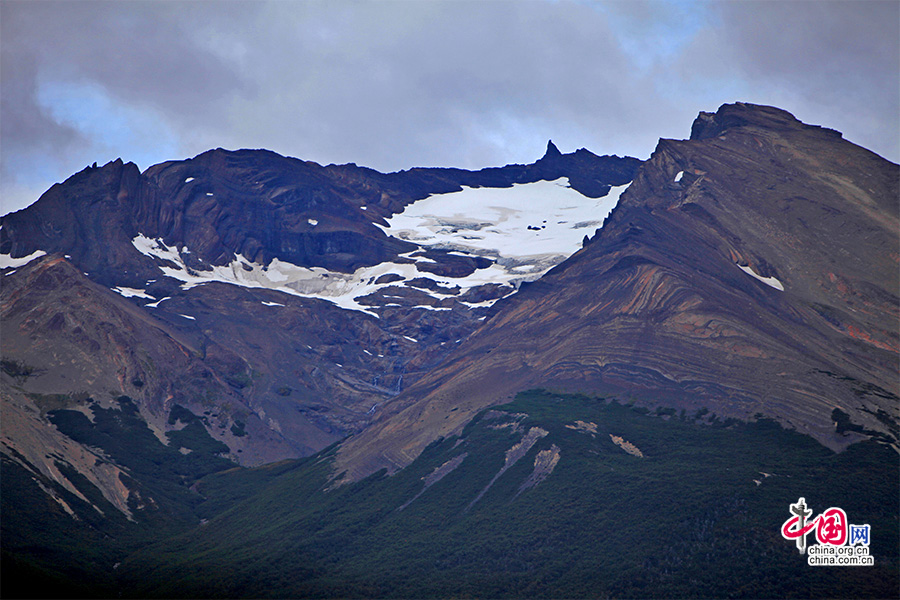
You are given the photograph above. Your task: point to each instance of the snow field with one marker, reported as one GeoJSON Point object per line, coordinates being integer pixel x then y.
{"type": "Point", "coordinates": [495, 221]}
{"type": "Point", "coordinates": [527, 229]}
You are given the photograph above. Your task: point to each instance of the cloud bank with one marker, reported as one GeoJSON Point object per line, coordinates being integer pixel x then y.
{"type": "Point", "coordinates": [392, 85]}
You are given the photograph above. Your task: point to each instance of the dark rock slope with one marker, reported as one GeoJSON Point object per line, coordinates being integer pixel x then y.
{"type": "Point", "coordinates": [751, 269]}
{"type": "Point", "coordinates": [273, 374]}
{"type": "Point", "coordinates": [257, 204]}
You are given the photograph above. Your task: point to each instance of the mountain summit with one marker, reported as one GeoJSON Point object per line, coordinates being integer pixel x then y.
{"type": "Point", "coordinates": [192, 355]}
{"type": "Point", "coordinates": [552, 151]}
{"type": "Point", "coordinates": [749, 270]}
{"type": "Point", "coordinates": [285, 301]}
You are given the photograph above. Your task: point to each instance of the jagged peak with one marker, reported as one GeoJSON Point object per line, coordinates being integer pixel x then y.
{"type": "Point", "coordinates": [552, 150]}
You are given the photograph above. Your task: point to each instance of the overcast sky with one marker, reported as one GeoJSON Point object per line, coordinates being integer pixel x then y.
{"type": "Point", "coordinates": [393, 85]}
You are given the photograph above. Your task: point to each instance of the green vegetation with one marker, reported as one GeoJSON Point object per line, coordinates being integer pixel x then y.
{"type": "Point", "coordinates": [48, 553]}
{"type": "Point", "coordinates": [50, 402]}
{"type": "Point", "coordinates": [237, 428]}
{"type": "Point", "coordinates": [124, 437]}
{"type": "Point", "coordinates": [843, 424]}
{"type": "Point", "coordinates": [180, 413]}
{"type": "Point", "coordinates": [698, 516]}
{"type": "Point", "coordinates": [17, 369]}
{"type": "Point", "coordinates": [687, 520]}
{"type": "Point", "coordinates": [238, 379]}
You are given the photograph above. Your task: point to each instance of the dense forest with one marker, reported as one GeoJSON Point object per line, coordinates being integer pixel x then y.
{"type": "Point", "coordinates": [635, 503]}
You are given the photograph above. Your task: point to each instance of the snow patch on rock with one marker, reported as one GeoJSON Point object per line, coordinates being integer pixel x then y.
{"type": "Point", "coordinates": [7, 261]}
{"type": "Point", "coordinates": [342, 289]}
{"type": "Point", "coordinates": [156, 304]}
{"type": "Point", "coordinates": [769, 281]}
{"type": "Point", "coordinates": [132, 292]}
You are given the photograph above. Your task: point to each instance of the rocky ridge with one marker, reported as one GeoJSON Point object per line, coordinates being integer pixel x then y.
{"type": "Point", "coordinates": [751, 269]}
{"type": "Point", "coordinates": [263, 294]}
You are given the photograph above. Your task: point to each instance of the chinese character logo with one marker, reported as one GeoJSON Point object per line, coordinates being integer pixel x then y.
{"type": "Point", "coordinates": [796, 527]}
{"type": "Point", "coordinates": [859, 534]}
{"type": "Point", "coordinates": [833, 532]}
{"type": "Point", "coordinates": [832, 527]}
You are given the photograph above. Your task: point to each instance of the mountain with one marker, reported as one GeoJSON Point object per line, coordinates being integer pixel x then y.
{"type": "Point", "coordinates": [277, 300]}
{"type": "Point", "coordinates": [750, 269]}
{"type": "Point", "coordinates": [209, 370]}
{"type": "Point", "coordinates": [552, 495]}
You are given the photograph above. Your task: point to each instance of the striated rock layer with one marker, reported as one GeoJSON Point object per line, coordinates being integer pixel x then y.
{"type": "Point", "coordinates": [752, 269]}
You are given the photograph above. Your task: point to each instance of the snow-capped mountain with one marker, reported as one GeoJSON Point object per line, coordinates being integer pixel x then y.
{"type": "Point", "coordinates": [751, 269]}
{"type": "Point", "coordinates": [172, 338]}
{"type": "Point", "coordinates": [299, 298]}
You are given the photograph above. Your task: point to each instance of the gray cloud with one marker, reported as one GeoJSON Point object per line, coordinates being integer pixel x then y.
{"type": "Point", "coordinates": [393, 85]}
{"type": "Point", "coordinates": [144, 56]}
{"type": "Point", "coordinates": [831, 63]}
{"type": "Point", "coordinates": [441, 84]}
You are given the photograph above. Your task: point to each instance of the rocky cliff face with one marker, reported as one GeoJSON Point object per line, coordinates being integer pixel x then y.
{"type": "Point", "coordinates": [261, 206]}
{"type": "Point", "coordinates": [243, 307]}
{"type": "Point", "coordinates": [268, 295]}
{"type": "Point", "coordinates": [751, 269]}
